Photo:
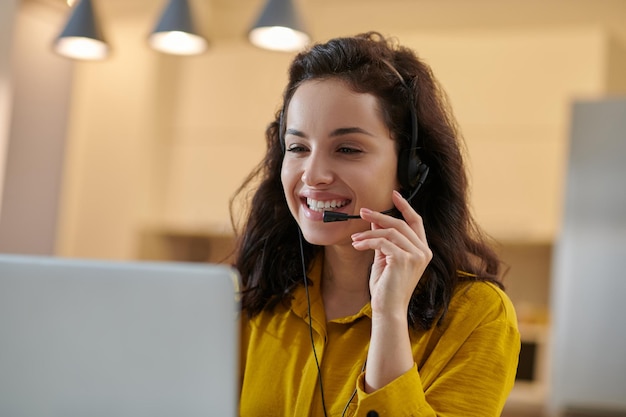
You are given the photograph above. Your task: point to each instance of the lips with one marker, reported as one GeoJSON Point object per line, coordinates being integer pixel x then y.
{"type": "Point", "coordinates": [321, 205]}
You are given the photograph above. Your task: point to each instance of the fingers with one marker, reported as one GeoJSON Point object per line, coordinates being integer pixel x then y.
{"type": "Point", "coordinates": [412, 227]}
{"type": "Point", "coordinates": [398, 241]}
{"type": "Point", "coordinates": [401, 255]}
{"type": "Point", "coordinates": [411, 217]}
{"type": "Point", "coordinates": [385, 240]}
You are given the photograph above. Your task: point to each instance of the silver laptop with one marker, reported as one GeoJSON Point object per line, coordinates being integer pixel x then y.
{"type": "Point", "coordinates": [117, 339]}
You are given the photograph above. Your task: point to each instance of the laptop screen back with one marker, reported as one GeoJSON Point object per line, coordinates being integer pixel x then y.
{"type": "Point", "coordinates": [94, 338]}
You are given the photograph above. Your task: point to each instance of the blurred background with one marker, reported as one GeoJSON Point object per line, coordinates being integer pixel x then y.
{"type": "Point", "coordinates": [136, 156]}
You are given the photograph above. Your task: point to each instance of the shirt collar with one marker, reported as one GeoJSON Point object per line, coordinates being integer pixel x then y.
{"type": "Point", "coordinates": [299, 304]}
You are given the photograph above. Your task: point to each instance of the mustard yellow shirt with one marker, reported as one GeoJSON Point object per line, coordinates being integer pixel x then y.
{"type": "Point", "coordinates": [464, 367]}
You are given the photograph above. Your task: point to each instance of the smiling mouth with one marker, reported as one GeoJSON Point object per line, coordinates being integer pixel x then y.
{"type": "Point", "coordinates": [320, 206]}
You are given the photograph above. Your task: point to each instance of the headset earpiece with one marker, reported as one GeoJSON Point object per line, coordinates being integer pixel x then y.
{"type": "Point", "coordinates": [411, 169]}
{"type": "Point", "coordinates": [408, 167]}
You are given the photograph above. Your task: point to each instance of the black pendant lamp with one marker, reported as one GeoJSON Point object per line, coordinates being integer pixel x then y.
{"type": "Point", "coordinates": [175, 32]}
{"type": "Point", "coordinates": [279, 28]}
{"type": "Point", "coordinates": [81, 37]}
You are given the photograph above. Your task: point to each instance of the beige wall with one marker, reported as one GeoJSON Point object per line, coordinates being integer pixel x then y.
{"type": "Point", "coordinates": [158, 142]}
{"type": "Point", "coordinates": [7, 11]}
{"type": "Point", "coordinates": [616, 80]}
{"type": "Point", "coordinates": [41, 84]}
{"type": "Point", "coordinates": [511, 90]}
{"type": "Point", "coordinates": [164, 142]}
{"type": "Point", "coordinates": [226, 99]}
{"type": "Point", "coordinates": [113, 172]}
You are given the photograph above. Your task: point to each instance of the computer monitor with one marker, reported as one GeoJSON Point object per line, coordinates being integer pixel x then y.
{"type": "Point", "coordinates": [103, 338]}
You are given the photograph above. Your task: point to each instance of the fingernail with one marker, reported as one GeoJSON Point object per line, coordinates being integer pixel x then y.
{"type": "Point", "coordinates": [365, 211]}
{"type": "Point", "coordinates": [397, 193]}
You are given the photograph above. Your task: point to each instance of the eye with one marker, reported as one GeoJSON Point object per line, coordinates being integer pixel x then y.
{"type": "Point", "coordinates": [296, 148]}
{"type": "Point", "coordinates": [348, 150]}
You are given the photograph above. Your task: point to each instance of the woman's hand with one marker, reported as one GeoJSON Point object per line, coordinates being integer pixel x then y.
{"type": "Point", "coordinates": [401, 256]}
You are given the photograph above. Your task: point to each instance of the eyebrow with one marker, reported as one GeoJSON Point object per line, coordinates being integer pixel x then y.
{"type": "Point", "coordinates": [337, 132]}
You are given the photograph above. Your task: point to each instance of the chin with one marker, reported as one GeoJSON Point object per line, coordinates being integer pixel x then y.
{"type": "Point", "coordinates": [327, 234]}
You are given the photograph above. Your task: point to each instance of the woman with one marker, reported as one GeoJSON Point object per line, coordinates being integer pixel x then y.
{"type": "Point", "coordinates": [392, 313]}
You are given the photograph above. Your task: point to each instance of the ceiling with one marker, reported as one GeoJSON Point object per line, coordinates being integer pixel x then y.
{"type": "Point", "coordinates": [224, 20]}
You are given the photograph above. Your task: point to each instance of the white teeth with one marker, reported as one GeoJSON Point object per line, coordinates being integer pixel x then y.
{"type": "Point", "coordinates": [318, 205]}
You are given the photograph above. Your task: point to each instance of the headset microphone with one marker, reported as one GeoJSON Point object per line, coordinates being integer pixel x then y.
{"type": "Point", "coordinates": [334, 216]}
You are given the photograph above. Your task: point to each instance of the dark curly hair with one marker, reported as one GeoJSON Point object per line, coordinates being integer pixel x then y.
{"type": "Point", "coordinates": [268, 251]}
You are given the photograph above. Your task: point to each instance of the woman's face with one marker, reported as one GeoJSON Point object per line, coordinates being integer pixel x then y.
{"type": "Point", "coordinates": [339, 155]}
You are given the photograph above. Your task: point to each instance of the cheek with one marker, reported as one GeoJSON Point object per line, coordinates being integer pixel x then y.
{"type": "Point", "coordinates": [285, 178]}
{"type": "Point", "coordinates": [386, 175]}
{"type": "Point", "coordinates": [288, 180]}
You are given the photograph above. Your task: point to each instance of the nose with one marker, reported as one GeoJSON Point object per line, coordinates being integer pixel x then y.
{"type": "Point", "coordinates": [318, 170]}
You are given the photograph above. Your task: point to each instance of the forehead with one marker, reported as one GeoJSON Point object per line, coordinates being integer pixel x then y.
{"type": "Point", "coordinates": [333, 101]}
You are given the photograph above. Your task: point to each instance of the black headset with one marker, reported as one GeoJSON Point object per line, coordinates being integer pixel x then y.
{"type": "Point", "coordinates": [412, 171]}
